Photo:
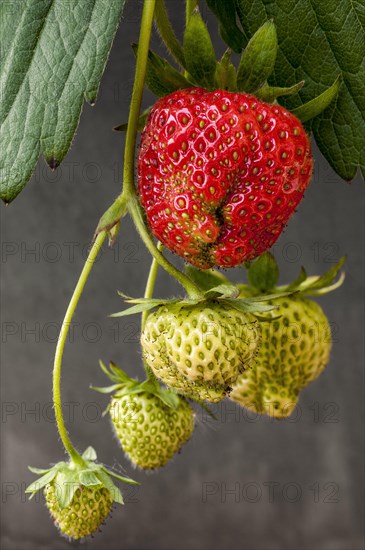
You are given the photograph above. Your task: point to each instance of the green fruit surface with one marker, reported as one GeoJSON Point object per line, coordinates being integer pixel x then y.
{"type": "Point", "coordinates": [295, 349]}
{"type": "Point", "coordinates": [200, 350]}
{"type": "Point", "coordinates": [89, 508]}
{"type": "Point", "coordinates": [149, 431]}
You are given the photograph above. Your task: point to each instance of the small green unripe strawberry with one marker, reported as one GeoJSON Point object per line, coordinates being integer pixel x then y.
{"type": "Point", "coordinates": [88, 509]}
{"type": "Point", "coordinates": [200, 349]}
{"type": "Point", "coordinates": [79, 494]}
{"type": "Point", "coordinates": [150, 432]}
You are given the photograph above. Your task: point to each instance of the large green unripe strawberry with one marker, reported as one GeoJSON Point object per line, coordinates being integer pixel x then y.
{"type": "Point", "coordinates": [79, 494]}
{"type": "Point", "coordinates": [200, 349]}
{"type": "Point", "coordinates": [220, 174]}
{"type": "Point", "coordinates": [88, 509]}
{"type": "Point", "coordinates": [294, 351]}
{"type": "Point", "coordinates": [296, 342]}
{"type": "Point", "coordinates": [149, 431]}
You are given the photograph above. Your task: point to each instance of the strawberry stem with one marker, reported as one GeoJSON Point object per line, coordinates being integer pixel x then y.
{"type": "Point", "coordinates": [150, 285]}
{"type": "Point", "coordinates": [57, 401]}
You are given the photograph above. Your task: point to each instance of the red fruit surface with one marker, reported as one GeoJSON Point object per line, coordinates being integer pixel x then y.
{"type": "Point", "coordinates": [220, 174]}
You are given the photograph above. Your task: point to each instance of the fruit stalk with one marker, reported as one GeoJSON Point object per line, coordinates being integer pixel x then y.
{"type": "Point", "coordinates": [57, 401]}
{"type": "Point", "coordinates": [150, 285]}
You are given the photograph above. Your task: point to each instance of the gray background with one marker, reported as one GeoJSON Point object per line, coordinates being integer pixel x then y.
{"type": "Point", "coordinates": [298, 483]}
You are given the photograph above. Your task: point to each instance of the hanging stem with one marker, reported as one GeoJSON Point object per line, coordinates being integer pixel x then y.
{"type": "Point", "coordinates": [57, 401]}
{"type": "Point", "coordinates": [129, 191]}
{"type": "Point", "coordinates": [150, 285]}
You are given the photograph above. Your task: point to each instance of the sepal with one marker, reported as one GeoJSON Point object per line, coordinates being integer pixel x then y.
{"type": "Point", "coordinates": [315, 107]}
{"type": "Point", "coordinates": [200, 58]}
{"type": "Point", "coordinates": [69, 476]}
{"type": "Point", "coordinates": [258, 59]}
{"type": "Point", "coordinates": [161, 78]}
{"type": "Point", "coordinates": [129, 386]}
{"type": "Point", "coordinates": [271, 93]}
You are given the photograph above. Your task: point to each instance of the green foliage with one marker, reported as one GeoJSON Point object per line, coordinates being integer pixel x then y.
{"type": "Point", "coordinates": [317, 41]}
{"type": "Point", "coordinates": [53, 55]}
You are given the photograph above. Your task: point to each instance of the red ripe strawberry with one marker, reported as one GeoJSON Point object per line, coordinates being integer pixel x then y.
{"type": "Point", "coordinates": [220, 174]}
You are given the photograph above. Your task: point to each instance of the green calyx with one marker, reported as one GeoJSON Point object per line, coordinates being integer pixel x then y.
{"type": "Point", "coordinates": [68, 477]}
{"type": "Point", "coordinates": [124, 385]}
{"type": "Point", "coordinates": [200, 67]}
{"type": "Point", "coordinates": [263, 274]}
{"type": "Point", "coordinates": [224, 292]}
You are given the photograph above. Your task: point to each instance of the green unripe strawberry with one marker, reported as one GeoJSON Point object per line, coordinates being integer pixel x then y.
{"type": "Point", "coordinates": [295, 349]}
{"type": "Point", "coordinates": [88, 509]}
{"type": "Point", "coordinates": [79, 494]}
{"type": "Point", "coordinates": [199, 349]}
{"type": "Point", "coordinates": [150, 432]}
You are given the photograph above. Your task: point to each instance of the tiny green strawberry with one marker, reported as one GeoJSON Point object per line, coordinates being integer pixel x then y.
{"type": "Point", "coordinates": [200, 349]}
{"type": "Point", "coordinates": [151, 423]}
{"type": "Point", "coordinates": [79, 494]}
{"type": "Point", "coordinates": [296, 342]}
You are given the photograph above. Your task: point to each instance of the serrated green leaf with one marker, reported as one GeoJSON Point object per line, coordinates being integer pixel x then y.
{"type": "Point", "coordinates": [263, 273]}
{"type": "Point", "coordinates": [317, 41]}
{"type": "Point", "coordinates": [315, 106]}
{"type": "Point", "coordinates": [271, 93]}
{"type": "Point", "coordinates": [53, 57]}
{"type": "Point", "coordinates": [141, 122]}
{"type": "Point", "coordinates": [228, 28]}
{"type": "Point", "coordinates": [258, 59]}
{"type": "Point", "coordinates": [89, 454]}
{"type": "Point", "coordinates": [200, 59]}
{"type": "Point", "coordinates": [161, 78]}
{"type": "Point", "coordinates": [206, 279]}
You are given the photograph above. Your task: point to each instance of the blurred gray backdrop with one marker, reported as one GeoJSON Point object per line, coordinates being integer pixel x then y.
{"type": "Point", "coordinates": [242, 482]}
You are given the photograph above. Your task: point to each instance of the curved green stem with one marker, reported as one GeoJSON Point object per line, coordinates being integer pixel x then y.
{"type": "Point", "coordinates": [150, 285]}
{"type": "Point", "coordinates": [167, 34]}
{"type": "Point", "coordinates": [137, 94]}
{"type": "Point", "coordinates": [135, 211]}
{"type": "Point", "coordinates": [57, 401]}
